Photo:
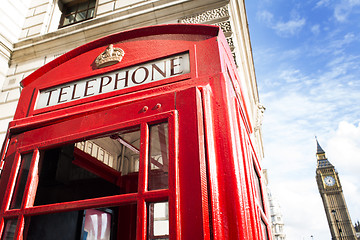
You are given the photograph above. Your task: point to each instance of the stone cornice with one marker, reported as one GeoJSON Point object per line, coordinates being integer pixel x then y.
{"type": "Point", "coordinates": [70, 37]}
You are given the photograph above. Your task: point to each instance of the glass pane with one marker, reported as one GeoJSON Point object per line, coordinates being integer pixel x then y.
{"type": "Point", "coordinates": [90, 13]}
{"type": "Point", "coordinates": [69, 19]}
{"type": "Point", "coordinates": [71, 9]}
{"type": "Point", "coordinates": [92, 3]}
{"type": "Point", "coordinates": [55, 226]}
{"type": "Point", "coordinates": [158, 157]}
{"type": "Point", "coordinates": [127, 222]}
{"type": "Point", "coordinates": [80, 16]}
{"type": "Point", "coordinates": [158, 220]}
{"type": "Point", "coordinates": [9, 230]}
{"type": "Point", "coordinates": [97, 225]}
{"type": "Point", "coordinates": [90, 224]}
{"type": "Point", "coordinates": [98, 167]}
{"type": "Point", "coordinates": [21, 181]}
{"type": "Point", "coordinates": [83, 6]}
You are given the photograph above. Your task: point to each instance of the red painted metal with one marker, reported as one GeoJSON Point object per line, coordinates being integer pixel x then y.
{"type": "Point", "coordinates": [211, 159]}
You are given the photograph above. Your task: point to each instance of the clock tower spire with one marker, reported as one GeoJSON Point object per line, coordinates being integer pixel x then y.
{"type": "Point", "coordinates": [333, 199]}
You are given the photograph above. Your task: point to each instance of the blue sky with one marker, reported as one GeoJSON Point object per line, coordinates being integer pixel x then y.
{"type": "Point", "coordinates": [307, 63]}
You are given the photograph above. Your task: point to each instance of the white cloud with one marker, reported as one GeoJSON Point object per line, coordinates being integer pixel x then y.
{"type": "Point", "coordinates": [282, 28]}
{"type": "Point", "coordinates": [344, 148]}
{"type": "Point", "coordinates": [266, 17]}
{"type": "Point", "coordinates": [343, 9]}
{"type": "Point", "coordinates": [315, 29]}
{"type": "Point", "coordinates": [292, 119]}
{"type": "Point", "coordinates": [322, 3]}
{"type": "Point", "coordinates": [290, 153]}
{"type": "Point", "coordinates": [343, 151]}
{"type": "Point", "coordinates": [290, 27]}
{"type": "Point", "coordinates": [311, 88]}
{"type": "Point", "coordinates": [342, 42]}
{"type": "Point", "coordinates": [292, 75]}
{"type": "Point", "coordinates": [301, 222]}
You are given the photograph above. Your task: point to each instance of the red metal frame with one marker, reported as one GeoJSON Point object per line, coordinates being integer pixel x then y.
{"type": "Point", "coordinates": [211, 161]}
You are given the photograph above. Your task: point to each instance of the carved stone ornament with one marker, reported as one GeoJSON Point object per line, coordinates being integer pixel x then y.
{"type": "Point", "coordinates": [225, 26]}
{"type": "Point", "coordinates": [259, 116]}
{"type": "Point", "coordinates": [207, 16]}
{"type": "Point", "coordinates": [109, 57]}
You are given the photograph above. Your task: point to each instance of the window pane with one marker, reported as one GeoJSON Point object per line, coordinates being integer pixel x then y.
{"type": "Point", "coordinates": [158, 157]}
{"type": "Point", "coordinates": [98, 167]}
{"type": "Point", "coordinates": [9, 230]}
{"type": "Point", "coordinates": [21, 181]}
{"type": "Point", "coordinates": [83, 6]}
{"type": "Point", "coordinates": [69, 19]}
{"type": "Point", "coordinates": [258, 188]}
{"type": "Point", "coordinates": [80, 16]}
{"type": "Point", "coordinates": [69, 10]}
{"type": "Point", "coordinates": [158, 220]}
{"type": "Point", "coordinates": [76, 12]}
{"type": "Point", "coordinates": [92, 3]}
{"type": "Point", "coordinates": [90, 13]}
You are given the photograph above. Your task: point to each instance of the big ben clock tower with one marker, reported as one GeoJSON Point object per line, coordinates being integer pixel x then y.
{"type": "Point", "coordinates": [333, 199]}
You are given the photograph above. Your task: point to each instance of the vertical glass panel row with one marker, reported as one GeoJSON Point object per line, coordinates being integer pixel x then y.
{"type": "Point", "coordinates": [9, 230]}
{"type": "Point", "coordinates": [21, 181]}
{"type": "Point", "coordinates": [158, 227]}
{"type": "Point", "coordinates": [158, 157]}
{"type": "Point", "coordinates": [89, 224]}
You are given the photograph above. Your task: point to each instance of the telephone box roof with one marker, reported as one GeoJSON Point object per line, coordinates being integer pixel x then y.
{"type": "Point", "coordinates": [181, 30]}
{"type": "Point", "coordinates": [152, 45]}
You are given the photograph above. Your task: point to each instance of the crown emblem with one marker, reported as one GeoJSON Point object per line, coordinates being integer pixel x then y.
{"type": "Point", "coordinates": [109, 57]}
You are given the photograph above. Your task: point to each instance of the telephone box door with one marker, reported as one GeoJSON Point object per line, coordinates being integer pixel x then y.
{"type": "Point", "coordinates": [134, 170]}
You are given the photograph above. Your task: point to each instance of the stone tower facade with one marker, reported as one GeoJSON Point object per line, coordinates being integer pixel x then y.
{"type": "Point", "coordinates": [333, 199]}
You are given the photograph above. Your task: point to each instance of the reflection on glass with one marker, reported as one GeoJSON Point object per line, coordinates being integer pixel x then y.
{"type": "Point", "coordinates": [158, 157]}
{"type": "Point", "coordinates": [90, 13]}
{"type": "Point", "coordinates": [97, 225]}
{"type": "Point", "coordinates": [158, 221]}
{"type": "Point", "coordinates": [93, 168]}
{"type": "Point", "coordinates": [21, 181]}
{"type": "Point", "coordinates": [80, 16]}
{"type": "Point", "coordinates": [119, 151]}
{"type": "Point", "coordinates": [9, 230]}
{"type": "Point", "coordinates": [69, 19]}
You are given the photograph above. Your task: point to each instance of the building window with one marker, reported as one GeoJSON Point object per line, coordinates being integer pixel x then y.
{"type": "Point", "coordinates": [258, 186]}
{"type": "Point", "coordinates": [77, 11]}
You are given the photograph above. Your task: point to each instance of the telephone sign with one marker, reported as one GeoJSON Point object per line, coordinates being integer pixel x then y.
{"type": "Point", "coordinates": [119, 79]}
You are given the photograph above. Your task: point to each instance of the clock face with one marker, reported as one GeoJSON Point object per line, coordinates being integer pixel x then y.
{"type": "Point", "coordinates": [329, 181]}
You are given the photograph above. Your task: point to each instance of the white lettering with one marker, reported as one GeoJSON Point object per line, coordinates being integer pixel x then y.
{"type": "Point", "coordinates": [113, 81]}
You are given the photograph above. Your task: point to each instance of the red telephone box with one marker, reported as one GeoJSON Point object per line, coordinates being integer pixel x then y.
{"type": "Point", "coordinates": [143, 134]}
